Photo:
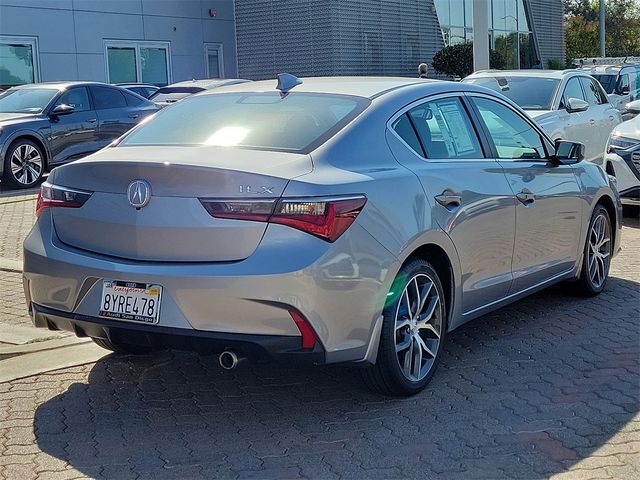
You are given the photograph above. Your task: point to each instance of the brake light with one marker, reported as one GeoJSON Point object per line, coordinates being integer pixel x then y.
{"type": "Point", "coordinates": [326, 218]}
{"type": "Point", "coordinates": [54, 196]}
{"type": "Point", "coordinates": [308, 335]}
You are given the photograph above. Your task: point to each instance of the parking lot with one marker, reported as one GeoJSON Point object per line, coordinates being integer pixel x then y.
{"type": "Point", "coordinates": [548, 387]}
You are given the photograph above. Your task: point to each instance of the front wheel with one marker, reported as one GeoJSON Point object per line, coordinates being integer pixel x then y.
{"type": "Point", "coordinates": [413, 331]}
{"type": "Point", "coordinates": [24, 164]}
{"type": "Point", "coordinates": [597, 255]}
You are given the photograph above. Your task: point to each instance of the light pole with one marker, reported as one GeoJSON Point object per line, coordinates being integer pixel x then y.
{"type": "Point", "coordinates": [602, 32]}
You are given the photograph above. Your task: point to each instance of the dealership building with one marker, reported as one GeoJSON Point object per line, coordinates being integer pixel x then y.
{"type": "Point", "coordinates": [165, 41]}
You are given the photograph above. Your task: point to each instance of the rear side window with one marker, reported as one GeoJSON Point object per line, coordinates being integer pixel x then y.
{"type": "Point", "coordinates": [512, 136]}
{"type": "Point", "coordinates": [404, 129]}
{"type": "Point", "coordinates": [105, 97]}
{"type": "Point", "coordinates": [132, 100]}
{"type": "Point", "coordinates": [607, 81]}
{"type": "Point", "coordinates": [445, 130]}
{"type": "Point", "coordinates": [593, 92]}
{"type": "Point", "coordinates": [297, 122]}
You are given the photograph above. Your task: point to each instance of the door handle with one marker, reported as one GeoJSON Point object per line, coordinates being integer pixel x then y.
{"type": "Point", "coordinates": [92, 120]}
{"type": "Point", "coordinates": [611, 117]}
{"type": "Point", "coordinates": [592, 121]}
{"type": "Point", "coordinates": [526, 197]}
{"type": "Point", "coordinates": [449, 199]}
{"type": "Point", "coordinates": [133, 115]}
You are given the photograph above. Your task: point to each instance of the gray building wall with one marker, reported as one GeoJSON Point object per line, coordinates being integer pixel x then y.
{"type": "Point", "coordinates": [335, 37]}
{"type": "Point", "coordinates": [547, 17]}
{"type": "Point", "coordinates": [71, 33]}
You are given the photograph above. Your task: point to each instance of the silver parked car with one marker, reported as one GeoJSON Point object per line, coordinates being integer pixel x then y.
{"type": "Point", "coordinates": [325, 219]}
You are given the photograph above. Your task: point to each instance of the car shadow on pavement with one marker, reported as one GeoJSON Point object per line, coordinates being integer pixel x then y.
{"type": "Point", "coordinates": [525, 392]}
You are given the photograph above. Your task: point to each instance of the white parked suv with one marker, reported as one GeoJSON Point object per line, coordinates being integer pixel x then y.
{"type": "Point", "coordinates": [622, 158]}
{"type": "Point", "coordinates": [621, 82]}
{"type": "Point", "coordinates": [568, 105]}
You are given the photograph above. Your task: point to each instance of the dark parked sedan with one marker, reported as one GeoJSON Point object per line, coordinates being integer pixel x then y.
{"type": "Point", "coordinates": [143, 89]}
{"type": "Point", "coordinates": [47, 124]}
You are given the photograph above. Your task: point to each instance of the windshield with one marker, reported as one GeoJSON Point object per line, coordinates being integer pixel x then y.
{"type": "Point", "coordinates": [173, 94]}
{"type": "Point", "coordinates": [26, 100]}
{"type": "Point", "coordinates": [608, 82]}
{"type": "Point", "coordinates": [529, 93]}
{"type": "Point", "coordinates": [266, 121]}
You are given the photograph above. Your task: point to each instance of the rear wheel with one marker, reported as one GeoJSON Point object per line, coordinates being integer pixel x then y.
{"type": "Point", "coordinates": [24, 164]}
{"type": "Point", "coordinates": [597, 255]}
{"type": "Point", "coordinates": [123, 348]}
{"type": "Point", "coordinates": [413, 330]}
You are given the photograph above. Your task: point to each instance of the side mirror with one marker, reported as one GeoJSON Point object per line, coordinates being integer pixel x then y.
{"type": "Point", "coordinates": [567, 153]}
{"type": "Point", "coordinates": [576, 105]}
{"type": "Point", "coordinates": [624, 90]}
{"type": "Point", "coordinates": [62, 109]}
{"type": "Point", "coordinates": [633, 107]}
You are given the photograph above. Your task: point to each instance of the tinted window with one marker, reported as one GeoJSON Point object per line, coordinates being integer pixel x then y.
{"type": "Point", "coordinates": [445, 130]}
{"type": "Point", "coordinates": [132, 100]}
{"type": "Point", "coordinates": [528, 93]}
{"type": "Point", "coordinates": [594, 94]}
{"type": "Point", "coordinates": [173, 94]}
{"type": "Point", "coordinates": [105, 97]}
{"type": "Point", "coordinates": [296, 122]}
{"type": "Point", "coordinates": [572, 90]}
{"type": "Point", "coordinates": [511, 134]}
{"type": "Point", "coordinates": [623, 83]}
{"type": "Point", "coordinates": [26, 100]}
{"type": "Point", "coordinates": [608, 82]}
{"type": "Point", "coordinates": [403, 127]}
{"type": "Point", "coordinates": [77, 97]}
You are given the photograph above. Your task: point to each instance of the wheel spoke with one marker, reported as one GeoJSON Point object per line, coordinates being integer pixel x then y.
{"type": "Point", "coordinates": [406, 343]}
{"type": "Point", "coordinates": [407, 359]}
{"type": "Point", "coordinates": [424, 295]}
{"type": "Point", "coordinates": [430, 328]}
{"type": "Point", "coordinates": [422, 344]}
{"type": "Point", "coordinates": [402, 323]}
{"type": "Point", "coordinates": [406, 298]}
{"type": "Point", "coordinates": [417, 358]}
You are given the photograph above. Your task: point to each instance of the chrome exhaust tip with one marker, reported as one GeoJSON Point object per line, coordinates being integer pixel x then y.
{"type": "Point", "coordinates": [228, 360]}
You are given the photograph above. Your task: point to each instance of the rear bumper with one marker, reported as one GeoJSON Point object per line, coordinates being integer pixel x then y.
{"type": "Point", "coordinates": [253, 346]}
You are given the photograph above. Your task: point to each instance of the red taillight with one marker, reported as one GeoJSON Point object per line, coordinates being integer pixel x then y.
{"type": "Point", "coordinates": [327, 218]}
{"type": "Point", "coordinates": [308, 335]}
{"type": "Point", "coordinates": [55, 196]}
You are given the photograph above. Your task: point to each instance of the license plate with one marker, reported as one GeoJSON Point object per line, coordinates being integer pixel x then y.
{"type": "Point", "coordinates": [139, 302]}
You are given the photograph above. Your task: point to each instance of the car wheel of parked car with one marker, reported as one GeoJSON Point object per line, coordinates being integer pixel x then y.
{"type": "Point", "coordinates": [123, 348]}
{"type": "Point", "coordinates": [24, 164]}
{"type": "Point", "coordinates": [597, 254]}
{"type": "Point", "coordinates": [413, 332]}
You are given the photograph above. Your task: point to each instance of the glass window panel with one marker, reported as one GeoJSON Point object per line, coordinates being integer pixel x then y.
{"type": "Point", "coordinates": [530, 93]}
{"type": "Point", "coordinates": [572, 90]}
{"type": "Point", "coordinates": [506, 46]}
{"type": "Point", "coordinates": [442, 9]}
{"type": "Point", "coordinates": [445, 130]}
{"type": "Point", "coordinates": [403, 127]}
{"type": "Point", "coordinates": [153, 65]}
{"type": "Point", "coordinates": [456, 13]}
{"type": "Point", "coordinates": [523, 24]}
{"type": "Point", "coordinates": [122, 64]}
{"type": "Point", "coordinates": [511, 134]}
{"type": "Point", "coordinates": [510, 15]}
{"type": "Point", "coordinates": [528, 57]}
{"type": "Point", "coordinates": [499, 15]}
{"type": "Point", "coordinates": [468, 13]}
{"type": "Point", "coordinates": [26, 100]}
{"type": "Point", "coordinates": [593, 94]}
{"type": "Point", "coordinates": [16, 65]}
{"type": "Point", "coordinates": [214, 65]}
{"type": "Point", "coordinates": [77, 97]}
{"type": "Point", "coordinates": [106, 97]}
{"type": "Point", "coordinates": [456, 36]}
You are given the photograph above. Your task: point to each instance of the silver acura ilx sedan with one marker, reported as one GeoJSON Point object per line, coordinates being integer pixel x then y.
{"type": "Point", "coordinates": [322, 219]}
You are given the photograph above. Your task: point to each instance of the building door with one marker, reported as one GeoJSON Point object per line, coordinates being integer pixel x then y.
{"type": "Point", "coordinates": [214, 61]}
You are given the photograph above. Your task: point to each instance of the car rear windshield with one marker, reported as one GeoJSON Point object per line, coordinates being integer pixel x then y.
{"type": "Point", "coordinates": [26, 100]}
{"type": "Point", "coordinates": [529, 93]}
{"type": "Point", "coordinates": [173, 94]}
{"type": "Point", "coordinates": [296, 122]}
{"type": "Point", "coordinates": [607, 81]}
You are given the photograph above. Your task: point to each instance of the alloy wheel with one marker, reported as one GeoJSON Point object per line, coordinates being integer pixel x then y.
{"type": "Point", "coordinates": [26, 164]}
{"type": "Point", "coordinates": [418, 327]}
{"type": "Point", "coordinates": [599, 250]}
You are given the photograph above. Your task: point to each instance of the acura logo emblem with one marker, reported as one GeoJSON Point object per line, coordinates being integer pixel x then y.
{"type": "Point", "coordinates": [139, 193]}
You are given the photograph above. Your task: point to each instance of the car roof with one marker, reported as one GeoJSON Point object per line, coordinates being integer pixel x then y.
{"type": "Point", "coordinates": [125, 85]}
{"type": "Point", "coordinates": [368, 87]}
{"type": "Point", "coordinates": [532, 73]}
{"type": "Point", "coordinates": [61, 85]}
{"type": "Point", "coordinates": [208, 83]}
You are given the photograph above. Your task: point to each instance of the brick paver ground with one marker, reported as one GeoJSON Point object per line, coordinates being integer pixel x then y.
{"type": "Point", "coordinates": [547, 387]}
{"type": "Point", "coordinates": [17, 215]}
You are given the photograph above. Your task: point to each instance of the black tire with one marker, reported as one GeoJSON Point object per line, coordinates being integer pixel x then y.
{"type": "Point", "coordinates": [586, 286]}
{"type": "Point", "coordinates": [121, 348]}
{"type": "Point", "coordinates": [386, 375]}
{"type": "Point", "coordinates": [35, 161]}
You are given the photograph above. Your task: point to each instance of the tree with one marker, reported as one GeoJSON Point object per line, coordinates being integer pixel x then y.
{"type": "Point", "coordinates": [457, 60]}
{"type": "Point", "coordinates": [582, 29]}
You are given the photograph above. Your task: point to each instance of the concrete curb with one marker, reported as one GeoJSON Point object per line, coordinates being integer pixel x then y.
{"type": "Point", "coordinates": [10, 265]}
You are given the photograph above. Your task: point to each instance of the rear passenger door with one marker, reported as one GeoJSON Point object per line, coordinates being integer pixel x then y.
{"type": "Point", "coordinates": [113, 115]}
{"type": "Point", "coordinates": [469, 195]}
{"type": "Point", "coordinates": [549, 207]}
